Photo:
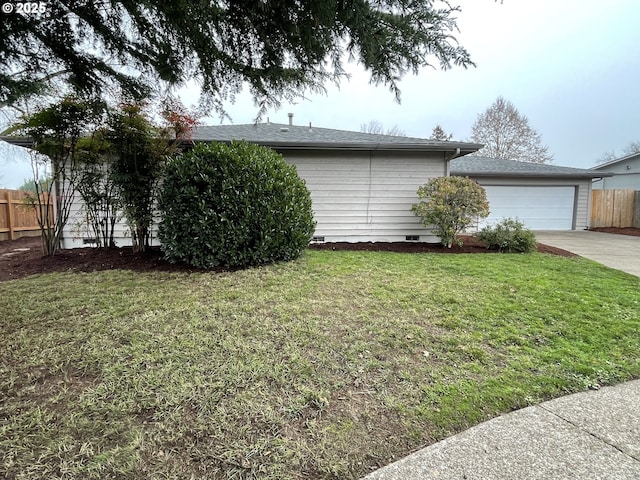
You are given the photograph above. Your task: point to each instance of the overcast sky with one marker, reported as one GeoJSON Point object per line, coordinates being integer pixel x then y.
{"type": "Point", "coordinates": [571, 66]}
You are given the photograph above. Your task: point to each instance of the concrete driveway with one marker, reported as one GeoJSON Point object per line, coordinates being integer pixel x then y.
{"type": "Point", "coordinates": [621, 252]}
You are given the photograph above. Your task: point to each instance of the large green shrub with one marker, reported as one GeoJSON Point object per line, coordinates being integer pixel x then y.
{"type": "Point", "coordinates": [233, 205]}
{"type": "Point", "coordinates": [510, 235]}
{"type": "Point", "coordinates": [449, 205]}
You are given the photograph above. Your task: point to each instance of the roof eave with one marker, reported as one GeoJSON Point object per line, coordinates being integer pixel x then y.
{"type": "Point", "coordinates": [465, 148]}
{"type": "Point", "coordinates": [530, 174]}
{"type": "Point", "coordinates": [25, 142]}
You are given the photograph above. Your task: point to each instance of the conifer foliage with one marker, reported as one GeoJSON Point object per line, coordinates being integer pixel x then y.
{"type": "Point", "coordinates": [279, 48]}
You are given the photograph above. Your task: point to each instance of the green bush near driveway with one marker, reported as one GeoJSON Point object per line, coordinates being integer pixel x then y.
{"type": "Point", "coordinates": [510, 235]}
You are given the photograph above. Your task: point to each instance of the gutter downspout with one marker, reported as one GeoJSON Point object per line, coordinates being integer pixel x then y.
{"type": "Point", "coordinates": [456, 154]}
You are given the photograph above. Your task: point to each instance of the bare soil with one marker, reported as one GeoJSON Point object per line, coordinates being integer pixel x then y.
{"type": "Point", "coordinates": [632, 231]}
{"type": "Point", "coordinates": [23, 257]}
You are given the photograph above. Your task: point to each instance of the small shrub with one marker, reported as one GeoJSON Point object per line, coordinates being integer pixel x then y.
{"type": "Point", "coordinates": [233, 205]}
{"type": "Point", "coordinates": [510, 235]}
{"type": "Point", "coordinates": [139, 158]}
{"type": "Point", "coordinates": [449, 205]}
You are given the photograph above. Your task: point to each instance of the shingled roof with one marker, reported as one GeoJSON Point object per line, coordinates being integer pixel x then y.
{"type": "Point", "coordinates": [281, 136]}
{"type": "Point", "coordinates": [478, 166]}
{"type": "Point", "coordinates": [295, 137]}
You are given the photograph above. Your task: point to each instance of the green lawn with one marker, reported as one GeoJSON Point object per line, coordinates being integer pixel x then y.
{"type": "Point", "coordinates": [321, 368]}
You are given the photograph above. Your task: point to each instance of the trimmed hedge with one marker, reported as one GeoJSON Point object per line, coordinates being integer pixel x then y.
{"type": "Point", "coordinates": [233, 205]}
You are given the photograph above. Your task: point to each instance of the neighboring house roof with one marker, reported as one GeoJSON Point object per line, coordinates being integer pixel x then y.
{"type": "Point", "coordinates": [281, 136]}
{"type": "Point", "coordinates": [26, 142]}
{"type": "Point", "coordinates": [478, 166]}
{"type": "Point", "coordinates": [627, 158]}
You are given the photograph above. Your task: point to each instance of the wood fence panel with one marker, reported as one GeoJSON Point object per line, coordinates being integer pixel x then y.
{"type": "Point", "coordinates": [612, 208]}
{"type": "Point", "coordinates": [623, 208]}
{"type": "Point", "coordinates": [16, 217]}
{"type": "Point", "coordinates": [636, 210]}
{"type": "Point", "coordinates": [601, 209]}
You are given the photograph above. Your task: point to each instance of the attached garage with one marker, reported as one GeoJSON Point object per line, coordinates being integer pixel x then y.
{"type": "Point", "coordinates": [540, 207]}
{"type": "Point", "coordinates": [544, 197]}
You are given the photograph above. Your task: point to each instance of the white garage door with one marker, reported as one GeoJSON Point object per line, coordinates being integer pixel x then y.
{"type": "Point", "coordinates": [540, 208]}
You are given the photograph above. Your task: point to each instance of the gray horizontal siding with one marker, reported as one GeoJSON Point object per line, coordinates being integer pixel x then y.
{"type": "Point", "coordinates": [632, 165]}
{"type": "Point", "coordinates": [366, 196]}
{"type": "Point", "coordinates": [77, 229]}
{"type": "Point", "coordinates": [627, 181]}
{"type": "Point", "coordinates": [357, 196]}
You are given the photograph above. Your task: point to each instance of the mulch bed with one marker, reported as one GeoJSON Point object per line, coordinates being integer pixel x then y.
{"type": "Point", "coordinates": [634, 232]}
{"type": "Point", "coordinates": [470, 245]}
{"type": "Point", "coordinates": [23, 257]}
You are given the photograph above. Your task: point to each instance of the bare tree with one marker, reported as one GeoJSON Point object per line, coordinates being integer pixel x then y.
{"type": "Point", "coordinates": [630, 149]}
{"type": "Point", "coordinates": [440, 135]}
{"type": "Point", "coordinates": [507, 134]}
{"type": "Point", "coordinates": [376, 127]}
{"type": "Point", "coordinates": [633, 147]}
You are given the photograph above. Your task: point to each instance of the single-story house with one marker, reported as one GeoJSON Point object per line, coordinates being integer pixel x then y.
{"type": "Point", "coordinates": [544, 197]}
{"type": "Point", "coordinates": [625, 170]}
{"type": "Point", "coordinates": [363, 185]}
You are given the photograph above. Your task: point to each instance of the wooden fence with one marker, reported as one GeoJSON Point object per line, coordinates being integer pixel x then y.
{"type": "Point", "coordinates": [17, 218]}
{"type": "Point", "coordinates": [615, 208]}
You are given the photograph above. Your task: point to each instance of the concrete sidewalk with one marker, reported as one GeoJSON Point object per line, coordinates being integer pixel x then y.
{"type": "Point", "coordinates": [591, 435]}
{"type": "Point", "coordinates": [621, 252]}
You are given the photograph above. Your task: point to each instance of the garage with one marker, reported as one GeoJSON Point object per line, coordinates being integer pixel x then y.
{"type": "Point", "coordinates": [544, 197]}
{"type": "Point", "coordinates": [539, 208]}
